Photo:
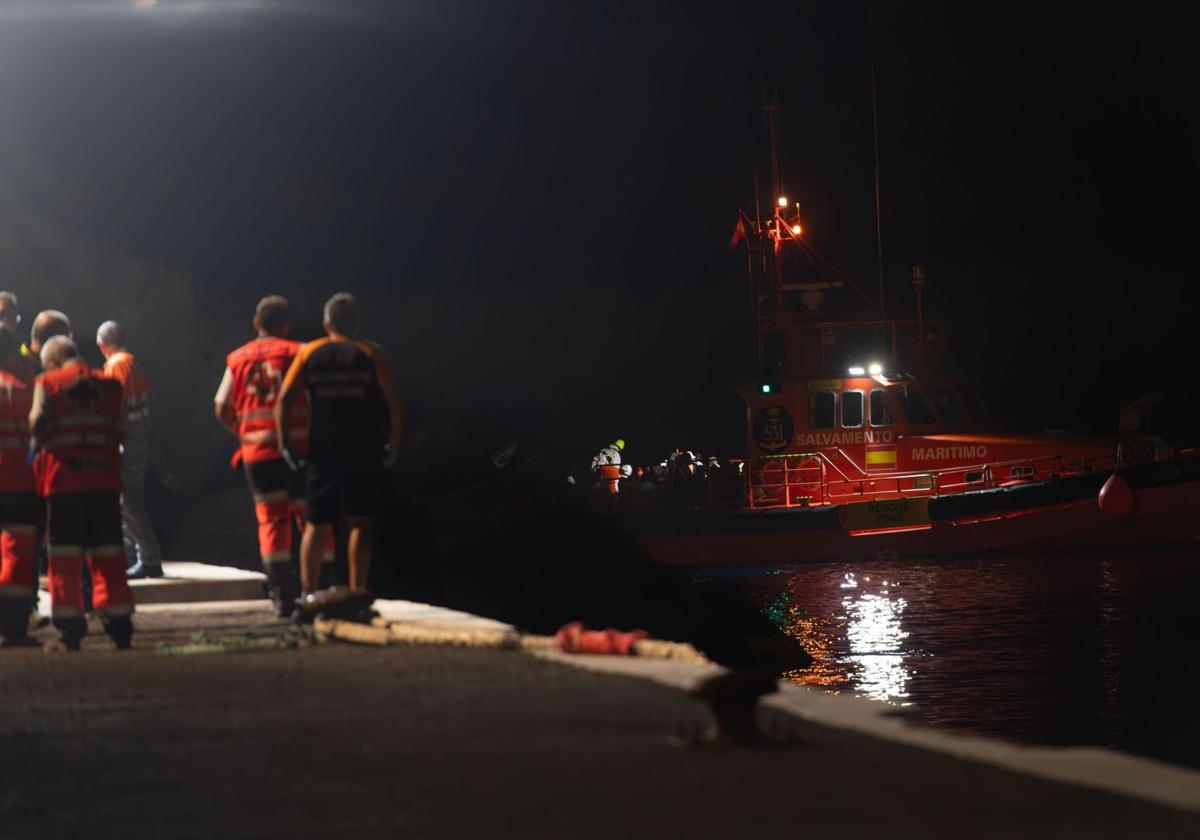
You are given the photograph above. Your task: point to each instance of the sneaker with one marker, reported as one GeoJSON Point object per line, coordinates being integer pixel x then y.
{"type": "Point", "coordinates": [140, 570]}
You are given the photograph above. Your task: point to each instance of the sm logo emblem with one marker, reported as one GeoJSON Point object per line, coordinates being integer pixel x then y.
{"type": "Point", "coordinates": [773, 429]}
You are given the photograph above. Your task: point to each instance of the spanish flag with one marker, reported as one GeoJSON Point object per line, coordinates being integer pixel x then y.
{"type": "Point", "coordinates": [881, 456]}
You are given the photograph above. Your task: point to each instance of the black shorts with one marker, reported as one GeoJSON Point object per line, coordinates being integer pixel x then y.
{"type": "Point", "coordinates": [336, 489]}
{"type": "Point", "coordinates": [273, 476]}
{"type": "Point", "coordinates": [87, 520]}
{"type": "Point", "coordinates": [20, 509]}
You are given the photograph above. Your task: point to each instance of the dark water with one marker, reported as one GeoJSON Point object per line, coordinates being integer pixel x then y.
{"type": "Point", "coordinates": [1085, 650]}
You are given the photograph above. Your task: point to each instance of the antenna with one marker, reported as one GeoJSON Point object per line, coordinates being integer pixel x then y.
{"type": "Point", "coordinates": [875, 125]}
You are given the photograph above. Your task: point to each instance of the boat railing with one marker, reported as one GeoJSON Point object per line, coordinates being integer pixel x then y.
{"type": "Point", "coordinates": [812, 478]}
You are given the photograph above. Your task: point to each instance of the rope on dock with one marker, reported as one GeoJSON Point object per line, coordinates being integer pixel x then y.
{"type": "Point", "coordinates": [381, 633]}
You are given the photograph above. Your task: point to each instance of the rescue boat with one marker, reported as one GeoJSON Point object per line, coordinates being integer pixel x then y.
{"type": "Point", "coordinates": [862, 439]}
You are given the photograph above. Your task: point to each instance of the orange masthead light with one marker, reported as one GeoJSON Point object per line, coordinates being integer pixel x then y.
{"type": "Point", "coordinates": [797, 230]}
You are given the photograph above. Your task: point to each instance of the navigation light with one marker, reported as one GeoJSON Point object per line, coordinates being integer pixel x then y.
{"type": "Point", "coordinates": [875, 369]}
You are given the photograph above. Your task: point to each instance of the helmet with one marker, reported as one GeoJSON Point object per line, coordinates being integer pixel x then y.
{"type": "Point", "coordinates": [619, 443]}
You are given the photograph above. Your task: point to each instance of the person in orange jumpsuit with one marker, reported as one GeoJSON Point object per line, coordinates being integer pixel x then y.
{"type": "Point", "coordinates": [77, 422]}
{"type": "Point", "coordinates": [119, 364]}
{"type": "Point", "coordinates": [245, 404]}
{"type": "Point", "coordinates": [19, 505]}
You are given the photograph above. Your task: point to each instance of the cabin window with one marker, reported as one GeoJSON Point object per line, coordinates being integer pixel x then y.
{"type": "Point", "coordinates": [852, 409]}
{"type": "Point", "coordinates": [914, 406]}
{"type": "Point", "coordinates": [947, 404]}
{"type": "Point", "coordinates": [822, 410]}
{"type": "Point", "coordinates": [881, 409]}
{"type": "Point", "coordinates": [975, 405]}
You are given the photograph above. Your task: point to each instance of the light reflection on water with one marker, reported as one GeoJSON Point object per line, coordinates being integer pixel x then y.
{"type": "Point", "coordinates": [1057, 650]}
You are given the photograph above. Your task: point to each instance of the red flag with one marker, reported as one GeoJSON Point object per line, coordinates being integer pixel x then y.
{"type": "Point", "coordinates": [739, 233]}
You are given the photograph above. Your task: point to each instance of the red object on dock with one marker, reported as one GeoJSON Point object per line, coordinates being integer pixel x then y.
{"type": "Point", "coordinates": [575, 638]}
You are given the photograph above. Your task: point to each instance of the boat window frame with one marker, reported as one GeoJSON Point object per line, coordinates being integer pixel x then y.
{"type": "Point", "coordinates": [887, 401]}
{"type": "Point", "coordinates": [812, 395]}
{"type": "Point", "coordinates": [970, 396]}
{"type": "Point", "coordinates": [964, 414]}
{"type": "Point", "coordinates": [903, 410]}
{"type": "Point", "coordinates": [862, 408]}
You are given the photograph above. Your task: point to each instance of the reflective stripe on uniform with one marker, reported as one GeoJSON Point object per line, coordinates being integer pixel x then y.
{"type": "Point", "coordinates": [68, 439]}
{"type": "Point", "coordinates": [277, 557]}
{"type": "Point", "coordinates": [13, 443]}
{"type": "Point", "coordinates": [107, 550]}
{"type": "Point", "coordinates": [65, 612]}
{"type": "Point", "coordinates": [16, 591]}
{"type": "Point", "coordinates": [79, 420]}
{"type": "Point", "coordinates": [268, 436]}
{"type": "Point", "coordinates": [273, 496]}
{"type": "Point", "coordinates": [55, 550]}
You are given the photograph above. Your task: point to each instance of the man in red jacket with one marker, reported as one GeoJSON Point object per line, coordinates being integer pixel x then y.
{"type": "Point", "coordinates": [19, 505]}
{"type": "Point", "coordinates": [245, 404]}
{"type": "Point", "coordinates": [77, 420]}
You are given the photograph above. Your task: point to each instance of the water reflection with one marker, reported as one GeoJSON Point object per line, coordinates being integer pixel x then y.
{"type": "Point", "coordinates": [860, 645]}
{"type": "Point", "coordinates": [1054, 650]}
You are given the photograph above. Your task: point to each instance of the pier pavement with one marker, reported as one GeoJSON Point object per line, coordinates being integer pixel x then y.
{"type": "Point", "coordinates": [182, 738]}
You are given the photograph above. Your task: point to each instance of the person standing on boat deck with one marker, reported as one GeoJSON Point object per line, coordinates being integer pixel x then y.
{"type": "Point", "coordinates": [245, 405]}
{"type": "Point", "coordinates": [357, 418]}
{"type": "Point", "coordinates": [607, 469]}
{"type": "Point", "coordinates": [77, 421]}
{"type": "Point", "coordinates": [140, 542]}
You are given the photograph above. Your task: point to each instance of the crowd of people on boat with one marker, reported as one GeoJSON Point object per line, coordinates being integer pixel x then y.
{"type": "Point", "coordinates": [683, 479]}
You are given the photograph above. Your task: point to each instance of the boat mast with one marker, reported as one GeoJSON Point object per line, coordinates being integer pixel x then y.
{"type": "Point", "coordinates": [771, 111]}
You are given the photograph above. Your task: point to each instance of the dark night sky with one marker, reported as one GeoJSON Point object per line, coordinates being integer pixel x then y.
{"type": "Point", "coordinates": [534, 199]}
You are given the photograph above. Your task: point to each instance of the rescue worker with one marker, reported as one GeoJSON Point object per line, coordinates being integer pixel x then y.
{"type": "Point", "coordinates": [10, 316]}
{"type": "Point", "coordinates": [19, 505]}
{"type": "Point", "coordinates": [119, 364]}
{"type": "Point", "coordinates": [77, 423]}
{"type": "Point", "coordinates": [606, 466]}
{"type": "Point", "coordinates": [47, 324]}
{"type": "Point", "coordinates": [357, 421]}
{"type": "Point", "coordinates": [245, 404]}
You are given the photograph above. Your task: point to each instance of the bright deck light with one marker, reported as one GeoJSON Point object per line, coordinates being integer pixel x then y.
{"type": "Point", "coordinates": [875, 368]}
{"type": "Point", "coordinates": [783, 202]}
{"type": "Point", "coordinates": [856, 371]}
{"type": "Point", "coordinates": [796, 229]}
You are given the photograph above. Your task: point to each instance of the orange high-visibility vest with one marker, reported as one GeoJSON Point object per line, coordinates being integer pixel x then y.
{"type": "Point", "coordinates": [122, 367]}
{"type": "Point", "coordinates": [257, 369]}
{"type": "Point", "coordinates": [84, 415]}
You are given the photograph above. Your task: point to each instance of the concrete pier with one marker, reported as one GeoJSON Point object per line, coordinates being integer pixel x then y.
{"type": "Point", "coordinates": [338, 740]}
